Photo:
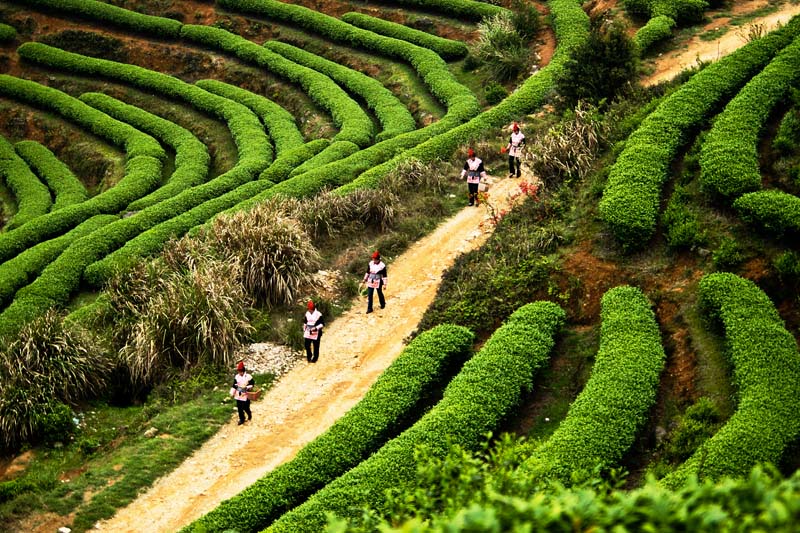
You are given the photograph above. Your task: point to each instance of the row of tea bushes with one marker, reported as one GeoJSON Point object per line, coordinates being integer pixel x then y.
{"type": "Point", "coordinates": [65, 186]}
{"type": "Point", "coordinates": [32, 196]}
{"type": "Point", "coordinates": [474, 9]}
{"type": "Point", "coordinates": [729, 165]}
{"type": "Point", "coordinates": [775, 211]}
{"type": "Point", "coordinates": [476, 400]}
{"type": "Point", "coordinates": [766, 371]}
{"type": "Point", "coordinates": [632, 194]}
{"type": "Point", "coordinates": [192, 159]}
{"type": "Point", "coordinates": [117, 16]}
{"type": "Point", "coordinates": [142, 169]}
{"type": "Point", "coordinates": [604, 419]}
{"type": "Point", "coordinates": [25, 267]}
{"type": "Point", "coordinates": [445, 48]}
{"type": "Point", "coordinates": [390, 405]}
{"type": "Point", "coordinates": [392, 114]}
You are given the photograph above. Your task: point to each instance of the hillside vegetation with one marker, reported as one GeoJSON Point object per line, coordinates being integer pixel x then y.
{"type": "Point", "coordinates": [621, 353]}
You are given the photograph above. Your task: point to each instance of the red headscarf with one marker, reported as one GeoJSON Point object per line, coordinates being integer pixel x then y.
{"type": "Point", "coordinates": [310, 305]}
{"type": "Point", "coordinates": [240, 366]}
{"type": "Point", "coordinates": [515, 127]}
{"type": "Point", "coordinates": [376, 254]}
{"type": "Point", "coordinates": [470, 153]}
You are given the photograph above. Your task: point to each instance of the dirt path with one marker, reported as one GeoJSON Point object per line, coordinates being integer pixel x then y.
{"type": "Point", "coordinates": [672, 63]}
{"type": "Point", "coordinates": [310, 398]}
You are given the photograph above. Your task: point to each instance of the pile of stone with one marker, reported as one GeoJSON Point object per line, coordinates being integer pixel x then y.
{"type": "Point", "coordinates": [269, 358]}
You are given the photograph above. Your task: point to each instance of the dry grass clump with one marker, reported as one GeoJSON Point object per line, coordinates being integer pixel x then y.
{"type": "Point", "coordinates": [177, 312]}
{"type": "Point", "coordinates": [274, 254]}
{"type": "Point", "coordinates": [568, 150]}
{"type": "Point", "coordinates": [47, 367]}
{"type": "Point", "coordinates": [501, 48]}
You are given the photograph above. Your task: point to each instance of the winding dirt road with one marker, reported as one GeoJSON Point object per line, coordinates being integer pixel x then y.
{"type": "Point", "coordinates": [355, 350]}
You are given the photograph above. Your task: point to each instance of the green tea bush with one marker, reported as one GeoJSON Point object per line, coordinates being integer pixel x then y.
{"type": "Point", "coordinates": [681, 224]}
{"type": "Point", "coordinates": [486, 390]}
{"type": "Point", "coordinates": [728, 255]}
{"type": "Point", "coordinates": [7, 33]}
{"type": "Point", "coordinates": [775, 211]}
{"type": "Point", "coordinates": [766, 371]}
{"type": "Point", "coordinates": [494, 93]}
{"type": "Point", "coordinates": [391, 404]}
{"type": "Point", "coordinates": [66, 187]}
{"type": "Point", "coordinates": [657, 29]}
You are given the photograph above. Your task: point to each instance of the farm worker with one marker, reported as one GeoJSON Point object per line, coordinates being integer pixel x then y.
{"type": "Point", "coordinates": [312, 332]}
{"type": "Point", "coordinates": [514, 149]}
{"type": "Point", "coordinates": [242, 383]}
{"type": "Point", "coordinates": [375, 278]}
{"type": "Point", "coordinates": [474, 171]}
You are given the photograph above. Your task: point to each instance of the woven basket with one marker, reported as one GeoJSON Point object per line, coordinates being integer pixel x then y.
{"type": "Point", "coordinates": [254, 395]}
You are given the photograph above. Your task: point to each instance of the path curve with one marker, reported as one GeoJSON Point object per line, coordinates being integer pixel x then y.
{"type": "Point", "coordinates": [355, 350]}
{"type": "Point", "coordinates": [673, 63]}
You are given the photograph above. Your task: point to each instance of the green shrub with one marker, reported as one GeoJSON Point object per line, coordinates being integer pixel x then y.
{"type": "Point", "coordinates": [700, 421]}
{"type": "Point", "coordinates": [526, 18]}
{"type": "Point", "coordinates": [787, 266]}
{"type": "Point", "coordinates": [728, 255]}
{"type": "Point", "coordinates": [600, 68]}
{"type": "Point", "coordinates": [494, 93]}
{"type": "Point", "coordinates": [681, 224]}
{"type": "Point", "coordinates": [657, 29]}
{"type": "Point", "coordinates": [7, 33]}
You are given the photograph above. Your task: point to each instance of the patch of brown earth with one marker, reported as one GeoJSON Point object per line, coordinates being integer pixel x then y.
{"type": "Point", "coordinates": [595, 277]}
{"type": "Point", "coordinates": [11, 467]}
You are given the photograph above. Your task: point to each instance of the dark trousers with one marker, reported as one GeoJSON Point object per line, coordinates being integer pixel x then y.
{"type": "Point", "coordinates": [381, 299]}
{"type": "Point", "coordinates": [312, 355]}
{"type": "Point", "coordinates": [243, 406]}
{"type": "Point", "coordinates": [515, 162]}
{"type": "Point", "coordinates": [473, 193]}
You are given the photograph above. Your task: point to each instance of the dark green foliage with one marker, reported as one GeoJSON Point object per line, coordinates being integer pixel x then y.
{"type": "Point", "coordinates": [787, 266]}
{"type": "Point", "coordinates": [681, 224]}
{"type": "Point", "coordinates": [657, 29]}
{"type": "Point", "coordinates": [775, 211]}
{"type": "Point", "coordinates": [526, 18]}
{"type": "Point", "coordinates": [728, 255]}
{"type": "Point", "coordinates": [7, 33]}
{"type": "Point", "coordinates": [787, 138]}
{"type": "Point", "coordinates": [494, 93]}
{"type": "Point", "coordinates": [600, 68]}
{"type": "Point", "coordinates": [700, 421]}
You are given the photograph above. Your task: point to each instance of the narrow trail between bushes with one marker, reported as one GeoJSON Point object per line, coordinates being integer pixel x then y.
{"type": "Point", "coordinates": [354, 351]}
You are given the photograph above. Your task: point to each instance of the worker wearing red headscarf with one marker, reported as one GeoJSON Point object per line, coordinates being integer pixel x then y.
{"type": "Point", "coordinates": [474, 171]}
{"type": "Point", "coordinates": [514, 148]}
{"type": "Point", "coordinates": [312, 332]}
{"type": "Point", "coordinates": [376, 279]}
{"type": "Point", "coordinates": [242, 384]}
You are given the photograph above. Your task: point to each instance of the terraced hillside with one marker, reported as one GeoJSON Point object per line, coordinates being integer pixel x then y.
{"type": "Point", "coordinates": [635, 311]}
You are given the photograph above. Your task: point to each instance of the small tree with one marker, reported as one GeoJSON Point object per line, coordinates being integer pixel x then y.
{"type": "Point", "coordinates": [600, 68]}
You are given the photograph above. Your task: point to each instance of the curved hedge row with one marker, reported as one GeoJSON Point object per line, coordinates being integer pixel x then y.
{"type": "Point", "coordinates": [117, 16]}
{"type": "Point", "coordinates": [22, 269]}
{"type": "Point", "coordinates": [729, 165]}
{"type": "Point", "coordinates": [337, 151]}
{"type": "Point", "coordinates": [280, 124]}
{"type": "Point", "coordinates": [657, 29]}
{"type": "Point", "coordinates": [355, 125]}
{"type": "Point", "coordinates": [393, 116]}
{"type": "Point", "coordinates": [766, 370]}
{"type": "Point", "coordinates": [32, 196]}
{"type": "Point", "coordinates": [191, 156]}
{"type": "Point", "coordinates": [142, 172]}
{"type": "Point", "coordinates": [632, 193]}
{"type": "Point", "coordinates": [66, 187]}
{"type": "Point", "coordinates": [390, 405]}
{"type": "Point", "coordinates": [476, 400]}
{"type": "Point", "coordinates": [247, 131]}
{"type": "Point", "coordinates": [775, 211]}
{"type": "Point", "coordinates": [445, 48]}
{"type": "Point", "coordinates": [681, 11]}
{"type": "Point", "coordinates": [457, 8]}
{"type": "Point", "coordinates": [7, 33]}
{"type": "Point", "coordinates": [60, 279]}
{"type": "Point", "coordinates": [145, 233]}
{"type": "Point", "coordinates": [430, 67]}
{"type": "Point", "coordinates": [604, 419]}
{"type": "Point", "coordinates": [571, 25]}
